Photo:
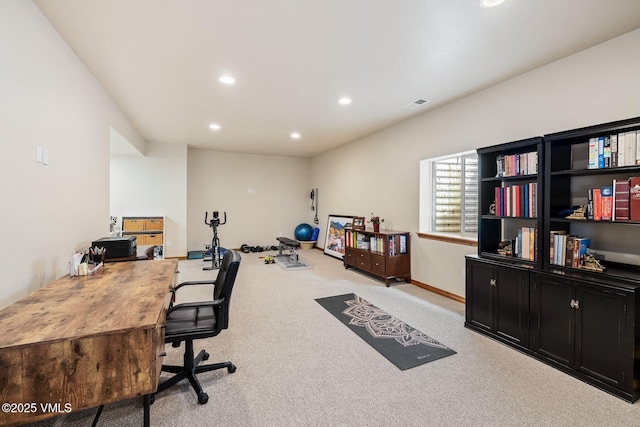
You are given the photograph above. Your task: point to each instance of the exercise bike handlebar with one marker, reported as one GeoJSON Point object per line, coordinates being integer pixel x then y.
{"type": "Point", "coordinates": [210, 223]}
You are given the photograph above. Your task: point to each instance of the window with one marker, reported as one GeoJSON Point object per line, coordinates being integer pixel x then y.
{"type": "Point", "coordinates": [449, 195]}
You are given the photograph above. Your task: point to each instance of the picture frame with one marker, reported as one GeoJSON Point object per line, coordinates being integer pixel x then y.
{"type": "Point", "coordinates": [358, 223]}
{"type": "Point", "coordinates": [335, 236]}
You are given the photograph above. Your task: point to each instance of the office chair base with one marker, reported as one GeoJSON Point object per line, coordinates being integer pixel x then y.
{"type": "Point", "coordinates": [190, 369]}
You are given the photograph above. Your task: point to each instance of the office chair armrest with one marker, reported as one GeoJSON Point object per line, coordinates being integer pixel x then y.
{"type": "Point", "coordinates": [194, 282]}
{"type": "Point", "coordinates": [214, 304]}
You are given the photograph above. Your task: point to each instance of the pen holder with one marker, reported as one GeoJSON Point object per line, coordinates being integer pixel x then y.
{"type": "Point", "coordinates": [97, 258]}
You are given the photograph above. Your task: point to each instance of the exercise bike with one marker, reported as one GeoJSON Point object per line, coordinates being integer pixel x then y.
{"type": "Point", "coordinates": [214, 222]}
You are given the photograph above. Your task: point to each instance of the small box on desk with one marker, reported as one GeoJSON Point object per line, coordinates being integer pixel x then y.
{"type": "Point", "coordinates": [116, 247]}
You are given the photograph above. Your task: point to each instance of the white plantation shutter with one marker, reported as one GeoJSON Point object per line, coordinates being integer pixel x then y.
{"type": "Point", "coordinates": [455, 194]}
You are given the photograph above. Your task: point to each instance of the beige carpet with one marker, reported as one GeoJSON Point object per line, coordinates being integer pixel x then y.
{"type": "Point", "coordinates": [299, 366]}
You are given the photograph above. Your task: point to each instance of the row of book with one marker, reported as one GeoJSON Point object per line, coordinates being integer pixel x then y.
{"type": "Point", "coordinates": [517, 200]}
{"type": "Point", "coordinates": [616, 150]}
{"type": "Point", "coordinates": [619, 202]}
{"type": "Point", "coordinates": [567, 250]}
{"type": "Point", "coordinates": [524, 245]}
{"type": "Point", "coordinates": [396, 244]}
{"type": "Point", "coordinates": [517, 164]}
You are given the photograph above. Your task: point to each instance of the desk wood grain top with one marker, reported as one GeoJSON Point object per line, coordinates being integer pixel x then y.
{"type": "Point", "coordinates": [118, 297]}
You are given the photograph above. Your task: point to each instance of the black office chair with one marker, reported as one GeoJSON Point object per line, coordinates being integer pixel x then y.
{"type": "Point", "coordinates": [193, 321]}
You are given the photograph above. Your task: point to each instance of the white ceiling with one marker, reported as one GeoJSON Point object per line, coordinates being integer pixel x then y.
{"type": "Point", "coordinates": [293, 59]}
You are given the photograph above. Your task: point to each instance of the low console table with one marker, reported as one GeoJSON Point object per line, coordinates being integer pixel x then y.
{"type": "Point", "coordinates": [384, 254]}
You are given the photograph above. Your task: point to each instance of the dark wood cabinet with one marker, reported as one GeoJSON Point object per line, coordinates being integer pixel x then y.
{"type": "Point", "coordinates": [553, 302]}
{"type": "Point", "coordinates": [385, 254]}
{"type": "Point", "coordinates": [498, 300]}
{"type": "Point", "coordinates": [586, 327]}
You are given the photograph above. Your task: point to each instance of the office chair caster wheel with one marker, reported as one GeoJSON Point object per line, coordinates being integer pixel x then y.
{"type": "Point", "coordinates": [206, 356]}
{"type": "Point", "coordinates": [231, 369]}
{"type": "Point", "coordinates": [203, 398]}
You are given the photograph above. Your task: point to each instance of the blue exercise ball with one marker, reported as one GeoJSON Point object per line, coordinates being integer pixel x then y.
{"type": "Point", "coordinates": [303, 232]}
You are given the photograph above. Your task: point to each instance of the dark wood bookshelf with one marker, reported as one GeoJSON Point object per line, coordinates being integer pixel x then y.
{"type": "Point", "coordinates": [583, 322]}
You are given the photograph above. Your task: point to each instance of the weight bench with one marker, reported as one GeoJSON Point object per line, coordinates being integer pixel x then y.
{"type": "Point", "coordinates": [288, 253]}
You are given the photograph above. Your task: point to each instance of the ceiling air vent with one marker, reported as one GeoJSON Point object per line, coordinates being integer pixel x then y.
{"type": "Point", "coordinates": [416, 103]}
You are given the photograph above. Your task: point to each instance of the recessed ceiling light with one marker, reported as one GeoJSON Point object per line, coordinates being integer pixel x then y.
{"type": "Point", "coordinates": [214, 126]}
{"type": "Point", "coordinates": [295, 135]}
{"type": "Point", "coordinates": [490, 3]}
{"type": "Point", "coordinates": [228, 80]}
{"type": "Point", "coordinates": [345, 101]}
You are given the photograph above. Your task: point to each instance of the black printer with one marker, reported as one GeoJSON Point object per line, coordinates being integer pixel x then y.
{"type": "Point", "coordinates": [117, 247]}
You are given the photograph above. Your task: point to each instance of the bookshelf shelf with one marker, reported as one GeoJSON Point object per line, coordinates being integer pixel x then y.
{"type": "Point", "coordinates": [552, 304]}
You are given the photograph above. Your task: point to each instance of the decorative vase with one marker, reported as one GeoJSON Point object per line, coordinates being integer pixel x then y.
{"type": "Point", "coordinates": [376, 227]}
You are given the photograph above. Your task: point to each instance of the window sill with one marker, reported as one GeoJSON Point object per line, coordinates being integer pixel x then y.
{"type": "Point", "coordinates": [449, 238]}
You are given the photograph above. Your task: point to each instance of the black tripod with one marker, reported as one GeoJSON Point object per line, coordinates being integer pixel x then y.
{"type": "Point", "coordinates": [216, 259]}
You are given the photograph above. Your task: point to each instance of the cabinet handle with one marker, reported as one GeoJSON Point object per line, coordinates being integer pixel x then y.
{"type": "Point", "coordinates": [492, 282]}
{"type": "Point", "coordinates": [575, 304]}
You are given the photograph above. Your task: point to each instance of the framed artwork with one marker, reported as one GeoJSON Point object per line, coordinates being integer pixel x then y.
{"type": "Point", "coordinates": [358, 223]}
{"type": "Point", "coordinates": [335, 236]}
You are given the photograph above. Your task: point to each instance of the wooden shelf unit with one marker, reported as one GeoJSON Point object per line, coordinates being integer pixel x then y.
{"type": "Point", "coordinates": [149, 230]}
{"type": "Point", "coordinates": [384, 254]}
{"type": "Point", "coordinates": [583, 322]}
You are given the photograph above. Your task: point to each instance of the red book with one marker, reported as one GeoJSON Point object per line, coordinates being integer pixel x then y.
{"type": "Point", "coordinates": [621, 200]}
{"type": "Point", "coordinates": [634, 198]}
{"type": "Point", "coordinates": [597, 205]}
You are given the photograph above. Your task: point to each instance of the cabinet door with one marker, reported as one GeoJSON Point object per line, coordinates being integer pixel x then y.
{"type": "Point", "coordinates": [349, 257]}
{"type": "Point", "coordinates": [600, 334]}
{"type": "Point", "coordinates": [554, 319]}
{"type": "Point", "coordinates": [378, 264]}
{"type": "Point", "coordinates": [479, 292]}
{"type": "Point", "coordinates": [511, 305]}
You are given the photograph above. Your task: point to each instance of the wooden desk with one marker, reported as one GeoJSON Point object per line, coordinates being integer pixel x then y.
{"type": "Point", "coordinates": [85, 341]}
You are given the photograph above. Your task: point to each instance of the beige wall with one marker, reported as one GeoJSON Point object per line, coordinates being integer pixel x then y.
{"type": "Point", "coordinates": [595, 86]}
{"type": "Point", "coordinates": [154, 185]}
{"type": "Point", "coordinates": [48, 98]}
{"type": "Point", "coordinates": [221, 182]}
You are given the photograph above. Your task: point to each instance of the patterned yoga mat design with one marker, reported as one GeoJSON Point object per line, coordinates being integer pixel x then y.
{"type": "Point", "coordinates": [403, 345]}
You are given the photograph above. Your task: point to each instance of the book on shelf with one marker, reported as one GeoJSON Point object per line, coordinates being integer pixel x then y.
{"type": "Point", "coordinates": [397, 244]}
{"type": "Point", "coordinates": [614, 150]}
{"type": "Point", "coordinates": [593, 153]}
{"type": "Point", "coordinates": [630, 146]}
{"type": "Point", "coordinates": [606, 196]}
{"type": "Point", "coordinates": [600, 152]}
{"type": "Point", "coordinates": [516, 164]}
{"type": "Point", "coordinates": [516, 200]}
{"type": "Point", "coordinates": [634, 198]}
{"type": "Point", "coordinates": [622, 149]}
{"type": "Point", "coordinates": [580, 245]}
{"type": "Point", "coordinates": [597, 205]}
{"type": "Point", "coordinates": [525, 243]}
{"type": "Point", "coordinates": [552, 244]}
{"type": "Point", "coordinates": [567, 250]}
{"type": "Point", "coordinates": [620, 200]}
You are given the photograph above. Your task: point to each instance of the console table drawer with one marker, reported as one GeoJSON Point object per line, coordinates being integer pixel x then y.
{"type": "Point", "coordinates": [378, 264]}
{"type": "Point", "coordinates": [363, 260]}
